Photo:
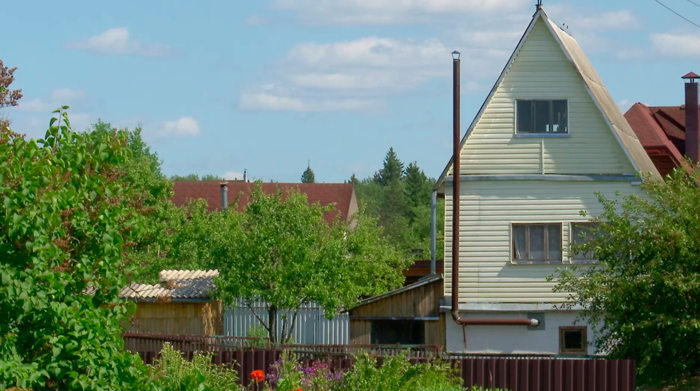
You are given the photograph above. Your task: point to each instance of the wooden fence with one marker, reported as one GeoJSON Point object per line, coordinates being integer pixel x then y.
{"type": "Point", "coordinates": [514, 373]}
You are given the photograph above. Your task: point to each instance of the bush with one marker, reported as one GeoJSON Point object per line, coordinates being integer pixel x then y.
{"type": "Point", "coordinates": [256, 331]}
{"type": "Point", "coordinates": [173, 373]}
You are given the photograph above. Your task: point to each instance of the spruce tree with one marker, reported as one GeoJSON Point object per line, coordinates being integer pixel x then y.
{"type": "Point", "coordinates": [417, 187]}
{"type": "Point", "coordinates": [308, 175]}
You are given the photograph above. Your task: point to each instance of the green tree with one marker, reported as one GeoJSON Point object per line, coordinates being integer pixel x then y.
{"type": "Point", "coordinates": [196, 177]}
{"type": "Point", "coordinates": [66, 231]}
{"type": "Point", "coordinates": [308, 175]}
{"type": "Point", "coordinates": [644, 295]}
{"type": "Point", "coordinates": [392, 171]}
{"type": "Point", "coordinates": [286, 254]}
{"type": "Point", "coordinates": [418, 186]}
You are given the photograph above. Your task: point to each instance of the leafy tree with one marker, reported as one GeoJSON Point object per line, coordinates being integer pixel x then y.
{"type": "Point", "coordinates": [7, 97]}
{"type": "Point", "coordinates": [286, 254]}
{"type": "Point", "coordinates": [644, 295]}
{"type": "Point", "coordinates": [66, 229]}
{"type": "Point", "coordinates": [308, 175]}
{"type": "Point", "coordinates": [196, 177]}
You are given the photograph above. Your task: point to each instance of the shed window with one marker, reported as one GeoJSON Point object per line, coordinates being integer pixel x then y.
{"type": "Point", "coordinates": [572, 340]}
{"type": "Point", "coordinates": [582, 233]}
{"type": "Point", "coordinates": [398, 332]}
{"type": "Point", "coordinates": [536, 243]}
{"type": "Point", "coordinates": [542, 116]}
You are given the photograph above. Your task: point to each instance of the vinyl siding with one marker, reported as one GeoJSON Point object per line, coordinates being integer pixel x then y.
{"type": "Point", "coordinates": [542, 71]}
{"type": "Point", "coordinates": [487, 210]}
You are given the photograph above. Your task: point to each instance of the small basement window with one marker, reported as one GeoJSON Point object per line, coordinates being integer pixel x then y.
{"type": "Point", "coordinates": [582, 233]}
{"type": "Point", "coordinates": [536, 243]}
{"type": "Point", "coordinates": [542, 116]}
{"type": "Point", "coordinates": [572, 340]}
{"type": "Point", "coordinates": [398, 332]}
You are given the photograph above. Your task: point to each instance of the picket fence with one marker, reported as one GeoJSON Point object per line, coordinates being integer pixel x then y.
{"type": "Point", "coordinates": [312, 326]}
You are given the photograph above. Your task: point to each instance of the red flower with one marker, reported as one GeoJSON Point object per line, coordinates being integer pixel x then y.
{"type": "Point", "coordinates": [257, 375]}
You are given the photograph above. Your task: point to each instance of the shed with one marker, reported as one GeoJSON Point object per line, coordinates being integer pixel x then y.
{"type": "Point", "coordinates": [181, 304]}
{"type": "Point", "coordinates": [409, 316]}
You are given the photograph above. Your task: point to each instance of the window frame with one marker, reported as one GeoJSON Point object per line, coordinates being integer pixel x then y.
{"type": "Point", "coordinates": [544, 134]}
{"type": "Point", "coordinates": [571, 244]}
{"type": "Point", "coordinates": [584, 341]}
{"type": "Point", "coordinates": [527, 242]}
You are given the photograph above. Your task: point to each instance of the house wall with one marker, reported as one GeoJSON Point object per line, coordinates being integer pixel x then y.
{"type": "Point", "coordinates": [177, 318]}
{"type": "Point", "coordinates": [512, 339]}
{"type": "Point", "coordinates": [487, 210]}
{"type": "Point", "coordinates": [542, 71]}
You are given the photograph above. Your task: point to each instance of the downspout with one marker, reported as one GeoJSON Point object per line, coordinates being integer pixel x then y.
{"type": "Point", "coordinates": [433, 238]}
{"type": "Point", "coordinates": [455, 217]}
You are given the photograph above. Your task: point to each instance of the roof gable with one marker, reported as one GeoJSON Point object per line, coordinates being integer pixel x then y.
{"type": "Point", "coordinates": [594, 88]}
{"type": "Point", "coordinates": [340, 194]}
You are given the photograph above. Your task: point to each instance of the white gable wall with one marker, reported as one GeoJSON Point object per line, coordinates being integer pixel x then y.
{"type": "Point", "coordinates": [542, 71]}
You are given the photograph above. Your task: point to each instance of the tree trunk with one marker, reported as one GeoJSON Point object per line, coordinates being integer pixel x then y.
{"type": "Point", "coordinates": [272, 323]}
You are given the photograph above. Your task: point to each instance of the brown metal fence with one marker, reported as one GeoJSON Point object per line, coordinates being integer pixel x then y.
{"type": "Point", "coordinates": [514, 373]}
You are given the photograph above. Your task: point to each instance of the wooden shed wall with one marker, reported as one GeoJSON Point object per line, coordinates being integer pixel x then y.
{"type": "Point", "coordinates": [423, 301]}
{"type": "Point", "coordinates": [178, 318]}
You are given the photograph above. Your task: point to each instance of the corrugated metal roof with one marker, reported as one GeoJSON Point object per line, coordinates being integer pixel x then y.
{"type": "Point", "coordinates": [175, 285]}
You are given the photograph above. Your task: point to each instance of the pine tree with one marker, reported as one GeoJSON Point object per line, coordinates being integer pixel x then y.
{"type": "Point", "coordinates": [418, 186]}
{"type": "Point", "coordinates": [392, 170]}
{"type": "Point", "coordinates": [308, 175]}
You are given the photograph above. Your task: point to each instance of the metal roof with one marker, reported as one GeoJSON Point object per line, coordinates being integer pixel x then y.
{"type": "Point", "coordinates": [176, 285]}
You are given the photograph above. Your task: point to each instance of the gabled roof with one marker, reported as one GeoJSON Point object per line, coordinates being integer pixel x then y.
{"type": "Point", "coordinates": [341, 194]}
{"type": "Point", "coordinates": [175, 285]}
{"type": "Point", "coordinates": [661, 130]}
{"type": "Point", "coordinates": [594, 85]}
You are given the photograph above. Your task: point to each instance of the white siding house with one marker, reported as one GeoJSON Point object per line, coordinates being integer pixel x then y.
{"type": "Point", "coordinates": [548, 137]}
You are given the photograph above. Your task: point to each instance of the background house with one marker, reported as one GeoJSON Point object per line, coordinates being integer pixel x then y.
{"type": "Point", "coordinates": [664, 130]}
{"type": "Point", "coordinates": [238, 193]}
{"type": "Point", "coordinates": [180, 304]}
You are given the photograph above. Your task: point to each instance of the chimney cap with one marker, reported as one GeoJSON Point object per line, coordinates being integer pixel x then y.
{"type": "Point", "coordinates": [692, 76]}
{"type": "Point", "coordinates": [223, 184]}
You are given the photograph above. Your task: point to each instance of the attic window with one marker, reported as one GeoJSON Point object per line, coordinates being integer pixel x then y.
{"type": "Point", "coordinates": [542, 116]}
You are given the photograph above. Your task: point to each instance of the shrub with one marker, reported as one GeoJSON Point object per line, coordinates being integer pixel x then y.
{"type": "Point", "coordinates": [256, 331]}
{"type": "Point", "coordinates": [173, 373]}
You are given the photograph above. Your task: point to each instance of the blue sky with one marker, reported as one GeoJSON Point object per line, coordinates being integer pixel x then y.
{"type": "Point", "coordinates": [220, 86]}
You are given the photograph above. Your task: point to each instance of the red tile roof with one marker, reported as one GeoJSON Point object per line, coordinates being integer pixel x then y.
{"type": "Point", "coordinates": [342, 194]}
{"type": "Point", "coordinates": [661, 130]}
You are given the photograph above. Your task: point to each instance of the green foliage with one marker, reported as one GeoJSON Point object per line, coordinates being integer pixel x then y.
{"type": "Point", "coordinates": [257, 331]}
{"type": "Point", "coordinates": [173, 373]}
{"type": "Point", "coordinates": [398, 374]}
{"type": "Point", "coordinates": [401, 200]}
{"type": "Point", "coordinates": [66, 230]}
{"type": "Point", "coordinates": [196, 177]}
{"type": "Point", "coordinates": [282, 251]}
{"type": "Point", "coordinates": [644, 296]}
{"type": "Point", "coordinates": [308, 176]}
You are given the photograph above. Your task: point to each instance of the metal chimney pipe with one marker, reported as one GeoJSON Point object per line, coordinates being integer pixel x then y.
{"type": "Point", "coordinates": [224, 196]}
{"type": "Point", "coordinates": [691, 118]}
{"type": "Point", "coordinates": [456, 150]}
{"type": "Point", "coordinates": [433, 233]}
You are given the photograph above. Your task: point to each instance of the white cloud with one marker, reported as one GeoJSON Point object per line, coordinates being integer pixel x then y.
{"type": "Point", "coordinates": [676, 44]}
{"type": "Point", "coordinates": [591, 18]}
{"type": "Point", "coordinates": [271, 102]}
{"type": "Point", "coordinates": [393, 12]}
{"type": "Point", "coordinates": [233, 175]}
{"type": "Point", "coordinates": [55, 99]}
{"type": "Point", "coordinates": [181, 127]}
{"type": "Point", "coordinates": [624, 105]}
{"type": "Point", "coordinates": [118, 41]}
{"type": "Point", "coordinates": [256, 20]}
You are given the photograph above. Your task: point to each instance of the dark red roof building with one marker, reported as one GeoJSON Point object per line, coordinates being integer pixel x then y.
{"type": "Point", "coordinates": [340, 194]}
{"type": "Point", "coordinates": [661, 130]}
